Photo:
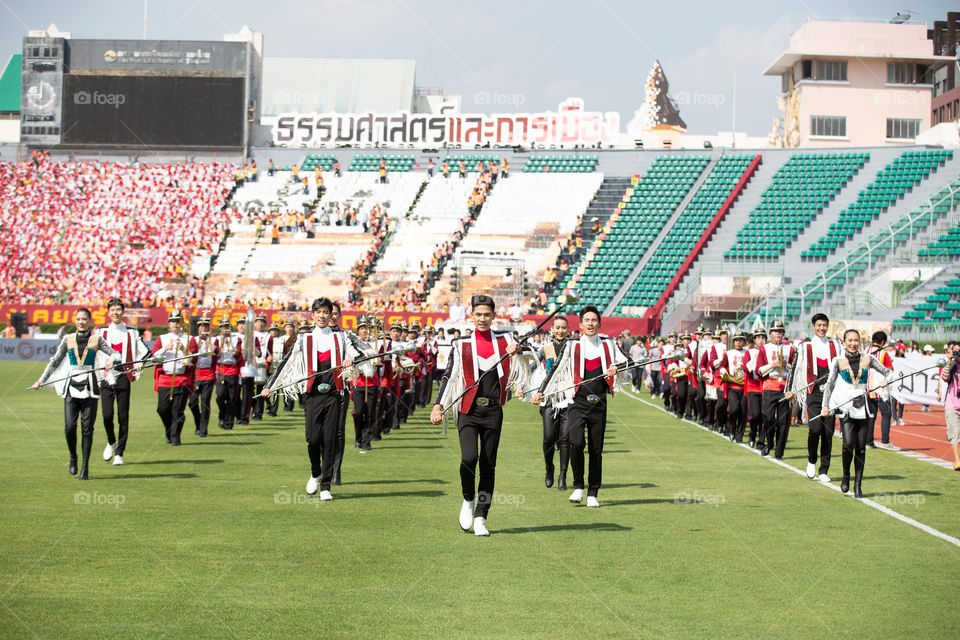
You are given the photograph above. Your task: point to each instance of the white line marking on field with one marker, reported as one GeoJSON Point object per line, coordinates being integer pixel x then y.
{"type": "Point", "coordinates": [870, 503]}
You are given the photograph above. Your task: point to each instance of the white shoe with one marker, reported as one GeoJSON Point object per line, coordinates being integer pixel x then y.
{"type": "Point", "coordinates": [577, 495]}
{"type": "Point", "coordinates": [901, 422]}
{"type": "Point", "coordinates": [592, 501]}
{"type": "Point", "coordinates": [466, 515]}
{"type": "Point", "coordinates": [117, 460]}
{"type": "Point", "coordinates": [326, 495]}
{"type": "Point", "coordinates": [885, 445]}
{"type": "Point", "coordinates": [108, 452]}
{"type": "Point", "coordinates": [824, 478]}
{"type": "Point", "coordinates": [811, 470]}
{"type": "Point", "coordinates": [480, 527]}
{"type": "Point", "coordinates": [312, 485]}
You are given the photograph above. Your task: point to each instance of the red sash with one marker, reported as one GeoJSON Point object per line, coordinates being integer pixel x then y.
{"type": "Point", "coordinates": [578, 377]}
{"type": "Point", "coordinates": [466, 353]}
{"type": "Point", "coordinates": [811, 376]}
{"type": "Point", "coordinates": [337, 381]}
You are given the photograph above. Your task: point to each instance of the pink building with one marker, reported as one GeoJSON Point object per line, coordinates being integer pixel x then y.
{"type": "Point", "coordinates": [858, 84]}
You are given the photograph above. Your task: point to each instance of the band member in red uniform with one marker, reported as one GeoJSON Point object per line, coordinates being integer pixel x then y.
{"type": "Point", "coordinates": [260, 335]}
{"type": "Point", "coordinates": [314, 368]}
{"type": "Point", "coordinates": [807, 383]}
{"type": "Point", "coordinates": [76, 357]}
{"type": "Point", "coordinates": [480, 412]}
{"type": "Point", "coordinates": [363, 388]}
{"type": "Point", "coordinates": [584, 359]}
{"type": "Point", "coordinates": [205, 378]}
{"type": "Point", "coordinates": [754, 385]}
{"type": "Point", "coordinates": [717, 353]}
{"type": "Point", "coordinates": [273, 350]}
{"type": "Point", "coordinates": [732, 374]}
{"type": "Point", "coordinates": [775, 362]}
{"type": "Point", "coordinates": [667, 384]}
{"type": "Point", "coordinates": [228, 355]}
{"type": "Point", "coordinates": [115, 385]}
{"type": "Point", "coordinates": [173, 381]}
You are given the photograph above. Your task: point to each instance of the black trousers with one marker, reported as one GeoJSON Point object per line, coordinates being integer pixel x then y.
{"type": "Point", "coordinates": [258, 401]}
{"type": "Point", "coordinates": [776, 421]}
{"type": "Point", "coordinates": [755, 414]}
{"type": "Point", "coordinates": [589, 419]}
{"type": "Point", "coordinates": [322, 415]}
{"type": "Point", "coordinates": [402, 407]}
{"type": "Point", "coordinates": [710, 413]}
{"type": "Point", "coordinates": [736, 409]}
{"type": "Point", "coordinates": [246, 399]}
{"type": "Point", "coordinates": [479, 427]}
{"type": "Point", "coordinates": [820, 432]}
{"type": "Point", "coordinates": [556, 434]}
{"type": "Point", "coordinates": [170, 408]}
{"type": "Point", "coordinates": [343, 406]}
{"type": "Point", "coordinates": [119, 393]}
{"type": "Point", "coordinates": [86, 410]}
{"type": "Point", "coordinates": [721, 413]}
{"type": "Point", "coordinates": [228, 399]}
{"type": "Point", "coordinates": [854, 445]}
{"type": "Point", "coordinates": [364, 413]}
{"type": "Point", "coordinates": [882, 407]}
{"type": "Point", "coordinates": [667, 391]}
{"type": "Point", "coordinates": [698, 397]}
{"type": "Point", "coordinates": [199, 404]}
{"type": "Point", "coordinates": [287, 404]}
{"type": "Point", "coordinates": [680, 401]}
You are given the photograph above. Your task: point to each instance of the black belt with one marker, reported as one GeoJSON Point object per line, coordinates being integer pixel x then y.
{"type": "Point", "coordinates": [487, 402]}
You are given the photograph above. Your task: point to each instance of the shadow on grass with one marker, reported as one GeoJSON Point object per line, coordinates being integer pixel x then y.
{"type": "Point", "coordinates": [595, 526]}
{"type": "Point", "coordinates": [402, 447]}
{"type": "Point", "coordinates": [424, 481]}
{"type": "Point", "coordinates": [640, 485]}
{"type": "Point", "coordinates": [885, 495]}
{"type": "Point", "coordinates": [140, 476]}
{"type": "Point", "coordinates": [619, 503]}
{"type": "Point", "coordinates": [884, 478]}
{"type": "Point", "coordinates": [427, 493]}
{"type": "Point", "coordinates": [183, 461]}
{"type": "Point", "coordinates": [219, 442]}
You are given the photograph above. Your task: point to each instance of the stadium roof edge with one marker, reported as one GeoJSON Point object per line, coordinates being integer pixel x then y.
{"type": "Point", "coordinates": [10, 84]}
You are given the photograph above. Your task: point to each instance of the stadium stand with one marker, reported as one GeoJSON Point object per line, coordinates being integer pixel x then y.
{"type": "Point", "coordinates": [81, 232]}
{"type": "Point", "coordinates": [393, 163]}
{"type": "Point", "coordinates": [643, 213]}
{"type": "Point", "coordinates": [891, 183]}
{"type": "Point", "coordinates": [560, 164]}
{"type": "Point", "coordinates": [796, 195]}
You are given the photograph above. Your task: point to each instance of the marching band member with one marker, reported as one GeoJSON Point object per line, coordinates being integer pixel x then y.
{"type": "Point", "coordinates": [480, 411]}
{"type": "Point", "coordinates": [248, 371]}
{"type": "Point", "coordinates": [344, 396]}
{"type": "Point", "coordinates": [666, 381]}
{"type": "Point", "coordinates": [813, 365]}
{"type": "Point", "coordinates": [880, 398]}
{"type": "Point", "coordinates": [173, 381]}
{"type": "Point", "coordinates": [774, 363]}
{"type": "Point", "coordinates": [115, 384]}
{"type": "Point", "coordinates": [717, 358]}
{"type": "Point", "coordinates": [290, 331]}
{"type": "Point", "coordinates": [554, 415]}
{"type": "Point", "coordinates": [571, 380]}
{"type": "Point", "coordinates": [364, 386]}
{"type": "Point", "coordinates": [314, 367]}
{"type": "Point", "coordinates": [273, 350]}
{"type": "Point", "coordinates": [260, 336]}
{"type": "Point", "coordinates": [205, 378]}
{"type": "Point", "coordinates": [703, 366]}
{"type": "Point", "coordinates": [733, 375]}
{"type": "Point", "coordinates": [228, 356]}
{"type": "Point", "coordinates": [76, 357]}
{"type": "Point", "coordinates": [754, 385]}
{"type": "Point", "coordinates": [679, 373]}
{"type": "Point", "coordinates": [696, 391]}
{"type": "Point", "coordinates": [845, 393]}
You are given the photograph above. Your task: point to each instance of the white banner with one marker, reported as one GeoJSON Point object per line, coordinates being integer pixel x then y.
{"type": "Point", "coordinates": [923, 388]}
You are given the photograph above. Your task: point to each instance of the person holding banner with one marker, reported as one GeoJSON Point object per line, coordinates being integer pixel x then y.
{"type": "Point", "coordinates": [845, 394]}
{"type": "Point", "coordinates": [951, 409]}
{"type": "Point", "coordinates": [75, 358]}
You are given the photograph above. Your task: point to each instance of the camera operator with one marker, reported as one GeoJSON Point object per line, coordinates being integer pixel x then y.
{"type": "Point", "coordinates": [951, 409]}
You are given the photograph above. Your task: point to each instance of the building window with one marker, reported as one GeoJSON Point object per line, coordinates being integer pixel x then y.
{"type": "Point", "coordinates": [902, 128]}
{"type": "Point", "coordinates": [828, 126]}
{"type": "Point", "coordinates": [906, 73]}
{"type": "Point", "coordinates": [831, 70]}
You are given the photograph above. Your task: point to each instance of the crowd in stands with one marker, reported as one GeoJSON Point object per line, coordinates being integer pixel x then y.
{"type": "Point", "coordinates": [73, 232]}
{"type": "Point", "coordinates": [379, 225]}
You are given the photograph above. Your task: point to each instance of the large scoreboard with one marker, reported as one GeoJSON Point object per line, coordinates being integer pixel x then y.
{"type": "Point", "coordinates": [138, 94]}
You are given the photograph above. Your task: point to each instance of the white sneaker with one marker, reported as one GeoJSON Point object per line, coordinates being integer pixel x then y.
{"type": "Point", "coordinates": [811, 470]}
{"type": "Point", "coordinates": [885, 445]}
{"type": "Point", "coordinates": [108, 452]}
{"type": "Point", "coordinates": [326, 495]}
{"type": "Point", "coordinates": [312, 485]}
{"type": "Point", "coordinates": [824, 478]}
{"type": "Point", "coordinates": [117, 460]}
{"type": "Point", "coordinates": [901, 422]}
{"type": "Point", "coordinates": [592, 501]}
{"type": "Point", "coordinates": [480, 527]}
{"type": "Point", "coordinates": [466, 515]}
{"type": "Point", "coordinates": [577, 495]}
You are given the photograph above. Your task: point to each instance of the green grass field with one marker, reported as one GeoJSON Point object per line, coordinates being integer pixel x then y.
{"type": "Point", "coordinates": [695, 537]}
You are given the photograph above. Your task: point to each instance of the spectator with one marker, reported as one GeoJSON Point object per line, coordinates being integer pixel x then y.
{"type": "Point", "coordinates": [951, 410]}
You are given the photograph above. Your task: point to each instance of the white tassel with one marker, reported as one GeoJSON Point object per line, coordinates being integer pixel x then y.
{"type": "Point", "coordinates": [558, 394]}
{"type": "Point", "coordinates": [455, 385]}
{"type": "Point", "coordinates": [519, 372]}
{"type": "Point", "coordinates": [294, 370]}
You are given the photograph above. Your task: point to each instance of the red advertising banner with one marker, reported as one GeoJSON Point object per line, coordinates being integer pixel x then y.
{"type": "Point", "coordinates": [63, 314]}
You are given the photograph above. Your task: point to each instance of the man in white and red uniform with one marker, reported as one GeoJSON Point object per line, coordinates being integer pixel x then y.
{"type": "Point", "coordinates": [703, 368]}
{"type": "Point", "coordinates": [260, 335]}
{"type": "Point", "coordinates": [116, 383]}
{"type": "Point", "coordinates": [731, 363]}
{"type": "Point", "coordinates": [775, 361]}
{"type": "Point", "coordinates": [754, 385]}
{"type": "Point", "coordinates": [364, 390]}
{"type": "Point", "coordinates": [273, 350]}
{"type": "Point", "coordinates": [321, 356]}
{"type": "Point", "coordinates": [228, 355]}
{"type": "Point", "coordinates": [667, 385]}
{"type": "Point", "coordinates": [717, 356]}
{"type": "Point", "coordinates": [819, 352]}
{"type": "Point", "coordinates": [204, 378]}
{"type": "Point", "coordinates": [480, 412]}
{"type": "Point", "coordinates": [173, 381]}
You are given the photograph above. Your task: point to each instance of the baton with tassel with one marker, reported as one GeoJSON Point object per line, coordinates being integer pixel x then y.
{"type": "Point", "coordinates": [146, 362]}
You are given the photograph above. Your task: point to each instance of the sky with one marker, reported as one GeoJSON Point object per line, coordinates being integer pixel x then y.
{"type": "Point", "coordinates": [519, 55]}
